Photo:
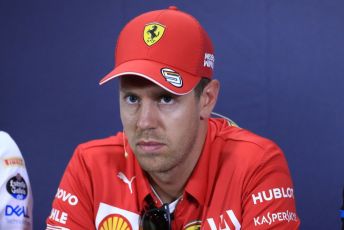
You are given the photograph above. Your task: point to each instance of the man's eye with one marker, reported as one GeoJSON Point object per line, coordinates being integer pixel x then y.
{"type": "Point", "coordinates": [166, 99]}
{"type": "Point", "coordinates": [132, 99]}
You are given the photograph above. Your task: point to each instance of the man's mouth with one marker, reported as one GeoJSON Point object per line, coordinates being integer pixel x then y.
{"type": "Point", "coordinates": [150, 146]}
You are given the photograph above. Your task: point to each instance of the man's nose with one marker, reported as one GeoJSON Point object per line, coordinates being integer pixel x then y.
{"type": "Point", "coordinates": [147, 116]}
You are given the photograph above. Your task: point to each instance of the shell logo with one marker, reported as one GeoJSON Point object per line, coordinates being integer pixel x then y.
{"type": "Point", "coordinates": [194, 227]}
{"type": "Point", "coordinates": [115, 222]}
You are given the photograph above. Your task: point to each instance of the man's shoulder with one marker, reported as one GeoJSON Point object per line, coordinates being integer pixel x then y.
{"type": "Point", "coordinates": [243, 147]}
{"type": "Point", "coordinates": [244, 136]}
{"type": "Point", "coordinates": [243, 150]}
{"type": "Point", "coordinates": [111, 141]}
{"type": "Point", "coordinates": [102, 147]}
{"type": "Point", "coordinates": [234, 134]}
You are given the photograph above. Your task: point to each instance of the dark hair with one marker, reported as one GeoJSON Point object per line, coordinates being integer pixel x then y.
{"type": "Point", "coordinates": [200, 86]}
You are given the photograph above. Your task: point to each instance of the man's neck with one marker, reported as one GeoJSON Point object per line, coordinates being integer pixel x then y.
{"type": "Point", "coordinates": [167, 192]}
{"type": "Point", "coordinates": [170, 185]}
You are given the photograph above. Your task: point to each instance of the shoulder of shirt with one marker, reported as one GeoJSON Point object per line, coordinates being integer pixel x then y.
{"type": "Point", "coordinates": [241, 145]}
{"type": "Point", "coordinates": [99, 150]}
{"type": "Point", "coordinates": [231, 133]}
{"type": "Point", "coordinates": [5, 136]}
{"type": "Point", "coordinates": [8, 146]}
{"type": "Point", "coordinates": [243, 135]}
{"type": "Point", "coordinates": [99, 155]}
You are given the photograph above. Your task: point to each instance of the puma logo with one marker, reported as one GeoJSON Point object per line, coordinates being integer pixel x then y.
{"type": "Point", "coordinates": [125, 180]}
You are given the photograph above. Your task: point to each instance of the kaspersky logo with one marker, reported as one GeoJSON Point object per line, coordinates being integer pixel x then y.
{"type": "Point", "coordinates": [115, 222]}
{"type": "Point", "coordinates": [153, 33]}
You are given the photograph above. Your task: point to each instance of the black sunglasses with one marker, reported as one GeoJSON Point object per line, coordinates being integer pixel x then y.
{"type": "Point", "coordinates": [157, 218]}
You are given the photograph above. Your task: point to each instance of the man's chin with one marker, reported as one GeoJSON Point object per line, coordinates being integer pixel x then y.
{"type": "Point", "coordinates": [152, 166]}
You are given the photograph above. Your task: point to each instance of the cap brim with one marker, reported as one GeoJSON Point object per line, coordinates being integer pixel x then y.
{"type": "Point", "coordinates": [156, 72]}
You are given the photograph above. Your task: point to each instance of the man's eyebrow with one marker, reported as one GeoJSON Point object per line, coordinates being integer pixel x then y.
{"type": "Point", "coordinates": [127, 92]}
{"type": "Point", "coordinates": [124, 89]}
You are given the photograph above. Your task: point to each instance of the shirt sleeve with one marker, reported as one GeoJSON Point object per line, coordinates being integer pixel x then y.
{"type": "Point", "coordinates": [269, 199]}
{"type": "Point", "coordinates": [72, 207]}
{"type": "Point", "coordinates": [15, 189]}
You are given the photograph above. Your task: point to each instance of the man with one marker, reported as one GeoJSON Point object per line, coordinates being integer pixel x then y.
{"type": "Point", "coordinates": [15, 190]}
{"type": "Point", "coordinates": [173, 167]}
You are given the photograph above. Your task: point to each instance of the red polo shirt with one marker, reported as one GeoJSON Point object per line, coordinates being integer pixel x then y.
{"type": "Point", "coordinates": [241, 181]}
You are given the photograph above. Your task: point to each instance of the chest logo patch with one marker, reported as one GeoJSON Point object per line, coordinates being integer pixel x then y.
{"type": "Point", "coordinates": [194, 225]}
{"type": "Point", "coordinates": [126, 180]}
{"type": "Point", "coordinates": [115, 222]}
{"type": "Point", "coordinates": [113, 218]}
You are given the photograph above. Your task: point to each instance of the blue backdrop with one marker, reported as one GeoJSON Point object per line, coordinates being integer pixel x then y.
{"type": "Point", "coordinates": [280, 63]}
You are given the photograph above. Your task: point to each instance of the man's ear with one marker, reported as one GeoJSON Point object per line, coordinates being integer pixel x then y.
{"type": "Point", "coordinates": [208, 98]}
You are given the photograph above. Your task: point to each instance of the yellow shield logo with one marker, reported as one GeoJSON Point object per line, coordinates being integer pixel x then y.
{"type": "Point", "coordinates": [152, 33]}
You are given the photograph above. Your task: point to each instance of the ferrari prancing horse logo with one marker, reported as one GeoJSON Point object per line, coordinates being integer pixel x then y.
{"type": "Point", "coordinates": [152, 33]}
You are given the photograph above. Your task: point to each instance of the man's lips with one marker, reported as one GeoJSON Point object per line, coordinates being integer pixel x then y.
{"type": "Point", "coordinates": [150, 146]}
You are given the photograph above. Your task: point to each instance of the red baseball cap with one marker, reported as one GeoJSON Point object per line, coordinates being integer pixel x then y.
{"type": "Point", "coordinates": [168, 47]}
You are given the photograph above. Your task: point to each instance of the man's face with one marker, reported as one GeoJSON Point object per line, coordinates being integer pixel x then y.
{"type": "Point", "coordinates": [161, 127]}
